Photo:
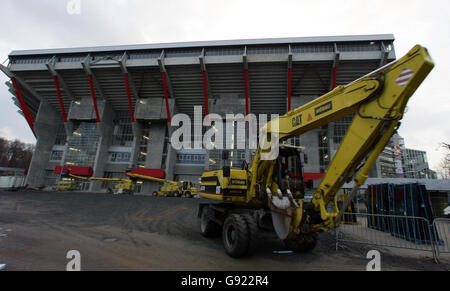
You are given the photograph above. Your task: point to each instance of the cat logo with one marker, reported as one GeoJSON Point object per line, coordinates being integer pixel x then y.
{"type": "Point", "coordinates": [324, 108]}
{"type": "Point", "coordinates": [297, 121]}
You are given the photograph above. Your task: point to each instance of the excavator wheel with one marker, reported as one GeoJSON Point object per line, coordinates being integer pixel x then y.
{"type": "Point", "coordinates": [236, 236]}
{"type": "Point", "coordinates": [253, 233]}
{"type": "Point", "coordinates": [188, 195]}
{"type": "Point", "coordinates": [303, 243]}
{"type": "Point", "coordinates": [155, 194]}
{"type": "Point", "coordinates": [208, 228]}
{"type": "Point", "coordinates": [176, 194]}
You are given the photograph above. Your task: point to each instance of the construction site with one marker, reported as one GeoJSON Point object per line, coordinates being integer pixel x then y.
{"type": "Point", "coordinates": [328, 181]}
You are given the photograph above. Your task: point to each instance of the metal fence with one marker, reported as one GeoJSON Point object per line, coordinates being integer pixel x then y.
{"type": "Point", "coordinates": [393, 231]}
{"type": "Point", "coordinates": [12, 181]}
{"type": "Point", "coordinates": [441, 227]}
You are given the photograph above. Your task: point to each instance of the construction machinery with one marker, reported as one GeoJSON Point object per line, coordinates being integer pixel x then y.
{"type": "Point", "coordinates": [262, 196]}
{"type": "Point", "coordinates": [65, 185]}
{"type": "Point", "coordinates": [122, 186]}
{"type": "Point", "coordinates": [169, 188]}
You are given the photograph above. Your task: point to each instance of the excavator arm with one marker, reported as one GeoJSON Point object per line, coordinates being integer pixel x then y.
{"type": "Point", "coordinates": [150, 178]}
{"type": "Point", "coordinates": [378, 101]}
{"type": "Point", "coordinates": [99, 179]}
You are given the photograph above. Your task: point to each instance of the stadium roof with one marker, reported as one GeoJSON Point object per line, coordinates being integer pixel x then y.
{"type": "Point", "coordinates": [259, 71]}
{"type": "Point", "coordinates": [263, 41]}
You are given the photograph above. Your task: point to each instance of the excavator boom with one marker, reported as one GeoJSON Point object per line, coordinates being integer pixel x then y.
{"type": "Point", "coordinates": [378, 101]}
{"type": "Point", "coordinates": [150, 178]}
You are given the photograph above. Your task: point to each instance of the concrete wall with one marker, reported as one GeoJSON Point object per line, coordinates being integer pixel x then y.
{"type": "Point", "coordinates": [227, 104]}
{"type": "Point", "coordinates": [115, 168]}
{"type": "Point", "coordinates": [137, 132]}
{"type": "Point", "coordinates": [46, 127]}
{"type": "Point", "coordinates": [190, 170]}
{"type": "Point", "coordinates": [153, 109]}
{"type": "Point", "coordinates": [171, 160]}
{"type": "Point", "coordinates": [156, 144]}
{"type": "Point", "coordinates": [106, 129]}
{"type": "Point", "coordinates": [84, 109]}
{"type": "Point", "coordinates": [155, 150]}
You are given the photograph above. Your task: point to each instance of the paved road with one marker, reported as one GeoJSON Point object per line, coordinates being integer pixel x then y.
{"type": "Point", "coordinates": [37, 229]}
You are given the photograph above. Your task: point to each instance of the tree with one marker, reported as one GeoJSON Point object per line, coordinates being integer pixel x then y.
{"type": "Point", "coordinates": [15, 154]}
{"type": "Point", "coordinates": [4, 149]}
{"type": "Point", "coordinates": [444, 166]}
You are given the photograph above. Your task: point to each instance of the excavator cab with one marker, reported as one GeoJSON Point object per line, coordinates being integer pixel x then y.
{"type": "Point", "coordinates": [186, 185]}
{"type": "Point", "coordinates": [289, 171]}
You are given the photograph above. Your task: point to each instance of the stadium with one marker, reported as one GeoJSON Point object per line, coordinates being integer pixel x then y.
{"type": "Point", "coordinates": [103, 110]}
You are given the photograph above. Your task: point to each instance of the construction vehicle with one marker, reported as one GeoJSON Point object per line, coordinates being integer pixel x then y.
{"type": "Point", "coordinates": [122, 186]}
{"type": "Point", "coordinates": [169, 188]}
{"type": "Point", "coordinates": [66, 185]}
{"type": "Point", "coordinates": [260, 197]}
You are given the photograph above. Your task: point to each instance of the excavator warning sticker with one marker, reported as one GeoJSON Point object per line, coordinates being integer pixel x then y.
{"type": "Point", "coordinates": [404, 77]}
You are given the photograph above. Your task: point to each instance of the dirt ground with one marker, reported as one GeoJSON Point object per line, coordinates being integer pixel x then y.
{"type": "Point", "coordinates": [37, 229]}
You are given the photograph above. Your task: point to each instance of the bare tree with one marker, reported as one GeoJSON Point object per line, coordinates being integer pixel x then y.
{"type": "Point", "coordinates": [4, 149]}
{"type": "Point", "coordinates": [444, 166]}
{"type": "Point", "coordinates": [15, 154]}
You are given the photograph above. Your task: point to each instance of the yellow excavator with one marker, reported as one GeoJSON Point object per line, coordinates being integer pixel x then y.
{"type": "Point", "coordinates": [264, 196]}
{"type": "Point", "coordinates": [169, 188]}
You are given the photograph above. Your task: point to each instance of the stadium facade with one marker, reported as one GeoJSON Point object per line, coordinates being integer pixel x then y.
{"type": "Point", "coordinates": [103, 110]}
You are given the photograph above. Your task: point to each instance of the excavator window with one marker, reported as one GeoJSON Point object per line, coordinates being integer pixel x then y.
{"type": "Point", "coordinates": [187, 185]}
{"type": "Point", "coordinates": [227, 172]}
{"type": "Point", "coordinates": [290, 172]}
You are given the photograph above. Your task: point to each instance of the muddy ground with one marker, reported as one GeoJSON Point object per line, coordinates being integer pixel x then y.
{"type": "Point", "coordinates": [37, 229]}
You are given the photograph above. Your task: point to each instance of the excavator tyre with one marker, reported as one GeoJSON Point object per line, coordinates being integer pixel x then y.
{"type": "Point", "coordinates": [236, 236]}
{"type": "Point", "coordinates": [208, 228]}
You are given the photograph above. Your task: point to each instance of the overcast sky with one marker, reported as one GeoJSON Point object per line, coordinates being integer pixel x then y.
{"type": "Point", "coordinates": [33, 24]}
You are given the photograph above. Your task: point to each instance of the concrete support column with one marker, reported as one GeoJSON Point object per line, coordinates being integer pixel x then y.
{"type": "Point", "coordinates": [155, 151]}
{"type": "Point", "coordinates": [155, 148]}
{"type": "Point", "coordinates": [137, 133]}
{"type": "Point", "coordinates": [207, 162]}
{"type": "Point", "coordinates": [69, 129]}
{"type": "Point", "coordinates": [106, 130]}
{"type": "Point", "coordinates": [171, 160]}
{"type": "Point", "coordinates": [154, 110]}
{"type": "Point", "coordinates": [46, 127]}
